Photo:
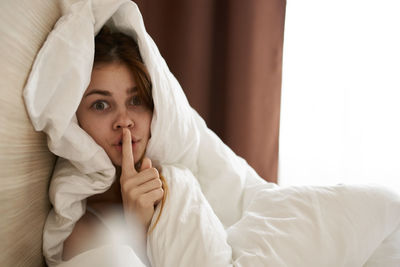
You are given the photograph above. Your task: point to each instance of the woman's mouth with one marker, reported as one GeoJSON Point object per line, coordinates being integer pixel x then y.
{"type": "Point", "coordinates": [119, 145]}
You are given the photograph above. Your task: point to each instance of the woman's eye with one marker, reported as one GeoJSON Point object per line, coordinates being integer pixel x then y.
{"type": "Point", "coordinates": [136, 101]}
{"type": "Point", "coordinates": [100, 105]}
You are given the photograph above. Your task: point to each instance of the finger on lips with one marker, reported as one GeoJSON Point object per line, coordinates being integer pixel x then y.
{"type": "Point", "coordinates": [147, 185]}
{"type": "Point", "coordinates": [127, 154]}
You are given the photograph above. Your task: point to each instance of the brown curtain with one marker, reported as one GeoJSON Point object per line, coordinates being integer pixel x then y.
{"type": "Point", "coordinates": [227, 55]}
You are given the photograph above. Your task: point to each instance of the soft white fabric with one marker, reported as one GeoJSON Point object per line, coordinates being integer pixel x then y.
{"type": "Point", "coordinates": [118, 232]}
{"type": "Point", "coordinates": [219, 211]}
{"type": "Point", "coordinates": [292, 226]}
{"type": "Point", "coordinates": [106, 256]}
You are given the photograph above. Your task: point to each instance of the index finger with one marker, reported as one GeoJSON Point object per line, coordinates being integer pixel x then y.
{"type": "Point", "coordinates": [128, 161]}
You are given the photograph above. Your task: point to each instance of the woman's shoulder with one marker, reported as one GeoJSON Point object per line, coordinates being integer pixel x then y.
{"type": "Point", "coordinates": [88, 233]}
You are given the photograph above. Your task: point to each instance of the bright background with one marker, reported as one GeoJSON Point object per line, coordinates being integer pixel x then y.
{"type": "Point", "coordinates": [340, 113]}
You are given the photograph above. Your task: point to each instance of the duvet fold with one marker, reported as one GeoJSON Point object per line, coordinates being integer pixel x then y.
{"type": "Point", "coordinates": [344, 225]}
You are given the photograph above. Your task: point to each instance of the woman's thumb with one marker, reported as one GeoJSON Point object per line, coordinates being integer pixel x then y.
{"type": "Point", "coordinates": [146, 164]}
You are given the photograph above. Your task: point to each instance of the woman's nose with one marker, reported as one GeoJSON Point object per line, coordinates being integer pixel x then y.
{"type": "Point", "coordinates": [123, 121]}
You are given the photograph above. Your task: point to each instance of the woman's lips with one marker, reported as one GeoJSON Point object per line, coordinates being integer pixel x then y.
{"type": "Point", "coordinates": [119, 146]}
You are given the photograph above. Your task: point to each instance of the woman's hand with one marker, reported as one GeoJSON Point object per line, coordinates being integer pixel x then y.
{"type": "Point", "coordinates": [142, 190]}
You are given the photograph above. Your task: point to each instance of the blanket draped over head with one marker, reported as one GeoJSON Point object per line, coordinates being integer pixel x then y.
{"type": "Point", "coordinates": [219, 212]}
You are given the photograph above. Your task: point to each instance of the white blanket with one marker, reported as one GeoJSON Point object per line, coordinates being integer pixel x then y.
{"type": "Point", "coordinates": [293, 226]}
{"type": "Point", "coordinates": [219, 211]}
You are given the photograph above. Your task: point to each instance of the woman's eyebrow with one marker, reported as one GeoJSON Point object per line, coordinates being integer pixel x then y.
{"type": "Point", "coordinates": [132, 90]}
{"type": "Point", "coordinates": [99, 92]}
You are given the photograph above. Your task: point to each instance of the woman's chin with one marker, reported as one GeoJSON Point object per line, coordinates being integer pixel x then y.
{"type": "Point", "coordinates": [116, 162]}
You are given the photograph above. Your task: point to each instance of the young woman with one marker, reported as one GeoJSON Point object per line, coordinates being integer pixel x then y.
{"type": "Point", "coordinates": [116, 111]}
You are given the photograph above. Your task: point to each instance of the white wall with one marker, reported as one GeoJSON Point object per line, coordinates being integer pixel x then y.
{"type": "Point", "coordinates": [340, 116]}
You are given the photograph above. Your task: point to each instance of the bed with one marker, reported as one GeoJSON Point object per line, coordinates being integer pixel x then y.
{"type": "Point", "coordinates": [282, 238]}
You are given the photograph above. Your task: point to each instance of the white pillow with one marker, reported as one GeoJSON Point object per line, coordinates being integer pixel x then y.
{"type": "Point", "coordinates": [25, 161]}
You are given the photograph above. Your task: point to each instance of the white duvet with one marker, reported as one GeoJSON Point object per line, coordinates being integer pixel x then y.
{"type": "Point", "coordinates": [219, 212]}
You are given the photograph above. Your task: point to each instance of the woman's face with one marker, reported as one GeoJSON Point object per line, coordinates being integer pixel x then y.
{"type": "Point", "coordinates": [111, 103]}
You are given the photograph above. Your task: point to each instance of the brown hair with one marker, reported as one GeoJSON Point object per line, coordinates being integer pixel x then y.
{"type": "Point", "coordinates": [117, 47]}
